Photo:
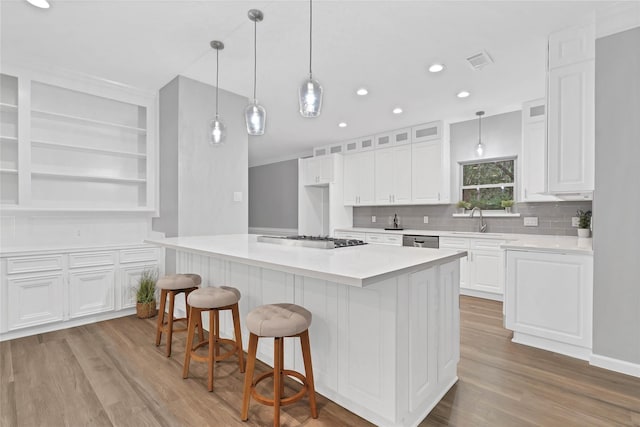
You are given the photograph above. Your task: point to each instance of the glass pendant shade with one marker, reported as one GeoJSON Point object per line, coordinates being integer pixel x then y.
{"type": "Point", "coordinates": [310, 98]}
{"type": "Point", "coordinates": [256, 117]}
{"type": "Point", "coordinates": [217, 132]}
{"type": "Point", "coordinates": [480, 149]}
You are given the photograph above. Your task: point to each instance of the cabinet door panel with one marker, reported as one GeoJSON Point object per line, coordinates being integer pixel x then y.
{"type": "Point", "coordinates": [402, 175]}
{"type": "Point", "coordinates": [129, 276]}
{"type": "Point", "coordinates": [34, 300]}
{"type": "Point", "coordinates": [487, 271]}
{"type": "Point", "coordinates": [571, 128]}
{"type": "Point", "coordinates": [384, 179]}
{"type": "Point", "coordinates": [366, 178]}
{"type": "Point", "coordinates": [426, 171]}
{"type": "Point", "coordinates": [91, 291]}
{"type": "Point", "coordinates": [351, 179]}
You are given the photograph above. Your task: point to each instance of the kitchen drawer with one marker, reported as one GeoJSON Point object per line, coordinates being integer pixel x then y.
{"type": "Point", "coordinates": [454, 243]}
{"type": "Point", "coordinates": [90, 259]}
{"type": "Point", "coordinates": [34, 263]}
{"type": "Point", "coordinates": [349, 235]}
{"type": "Point", "coordinates": [384, 239]}
{"type": "Point", "coordinates": [138, 255]}
{"type": "Point", "coordinates": [486, 244]}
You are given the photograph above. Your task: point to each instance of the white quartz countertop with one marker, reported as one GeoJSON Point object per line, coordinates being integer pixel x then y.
{"type": "Point", "coordinates": [354, 265]}
{"type": "Point", "coordinates": [532, 242]}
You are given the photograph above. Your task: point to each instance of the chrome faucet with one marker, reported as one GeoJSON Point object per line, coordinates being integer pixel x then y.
{"type": "Point", "coordinates": [483, 226]}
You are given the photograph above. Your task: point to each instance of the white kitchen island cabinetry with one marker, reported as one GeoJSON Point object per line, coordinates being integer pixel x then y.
{"type": "Point", "coordinates": [385, 332]}
{"type": "Point", "coordinates": [393, 175]}
{"type": "Point", "coordinates": [45, 290]}
{"type": "Point", "coordinates": [548, 300]}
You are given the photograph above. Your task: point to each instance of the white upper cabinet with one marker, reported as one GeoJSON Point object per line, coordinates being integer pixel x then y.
{"type": "Point", "coordinates": [534, 152]}
{"type": "Point", "coordinates": [427, 132]}
{"type": "Point", "coordinates": [359, 175]}
{"type": "Point", "coordinates": [429, 172]}
{"type": "Point", "coordinates": [318, 170]}
{"type": "Point", "coordinates": [571, 112]}
{"type": "Point", "coordinates": [393, 175]}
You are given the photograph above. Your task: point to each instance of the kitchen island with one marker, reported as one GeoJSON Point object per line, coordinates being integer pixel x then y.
{"type": "Point", "coordinates": [385, 333]}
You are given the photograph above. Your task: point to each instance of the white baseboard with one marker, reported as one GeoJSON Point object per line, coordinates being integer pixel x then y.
{"type": "Point", "coordinates": [481, 294]}
{"type": "Point", "coordinates": [271, 231]}
{"type": "Point", "coordinates": [571, 350]}
{"type": "Point", "coordinates": [35, 330]}
{"type": "Point", "coordinates": [617, 365]}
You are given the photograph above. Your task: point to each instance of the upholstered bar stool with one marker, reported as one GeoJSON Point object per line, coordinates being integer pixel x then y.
{"type": "Point", "coordinates": [213, 300]}
{"type": "Point", "coordinates": [278, 321]}
{"type": "Point", "coordinates": [172, 285]}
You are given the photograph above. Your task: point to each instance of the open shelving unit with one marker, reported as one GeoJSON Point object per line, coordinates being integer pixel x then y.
{"type": "Point", "coordinates": [86, 147]}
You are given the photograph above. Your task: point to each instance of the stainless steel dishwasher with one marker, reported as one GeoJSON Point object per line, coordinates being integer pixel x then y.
{"type": "Point", "coordinates": [420, 241]}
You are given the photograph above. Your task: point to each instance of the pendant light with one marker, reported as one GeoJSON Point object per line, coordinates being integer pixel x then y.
{"type": "Point", "coordinates": [310, 94]}
{"type": "Point", "coordinates": [480, 146]}
{"type": "Point", "coordinates": [255, 115]}
{"type": "Point", "coordinates": [217, 131]}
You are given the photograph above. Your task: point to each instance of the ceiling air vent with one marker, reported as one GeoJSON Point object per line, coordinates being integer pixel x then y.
{"type": "Point", "coordinates": [479, 60]}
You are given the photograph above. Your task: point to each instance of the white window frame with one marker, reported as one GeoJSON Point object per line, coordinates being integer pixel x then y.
{"type": "Point", "coordinates": [514, 159]}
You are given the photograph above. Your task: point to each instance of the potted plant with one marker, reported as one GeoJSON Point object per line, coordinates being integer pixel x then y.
{"type": "Point", "coordinates": [584, 223]}
{"type": "Point", "coordinates": [462, 205]}
{"type": "Point", "coordinates": [507, 204]}
{"type": "Point", "coordinates": [146, 295]}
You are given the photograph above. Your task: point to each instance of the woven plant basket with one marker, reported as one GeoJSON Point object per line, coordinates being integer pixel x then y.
{"type": "Point", "coordinates": [145, 310]}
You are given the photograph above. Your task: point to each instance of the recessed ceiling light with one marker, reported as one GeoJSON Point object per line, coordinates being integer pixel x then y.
{"type": "Point", "coordinates": [42, 4]}
{"type": "Point", "coordinates": [342, 125]}
{"type": "Point", "coordinates": [436, 68]}
{"type": "Point", "coordinates": [397, 110]}
{"type": "Point", "coordinates": [362, 91]}
{"type": "Point", "coordinates": [463, 94]}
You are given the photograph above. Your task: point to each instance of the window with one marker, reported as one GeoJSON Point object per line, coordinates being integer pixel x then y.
{"type": "Point", "coordinates": [485, 184]}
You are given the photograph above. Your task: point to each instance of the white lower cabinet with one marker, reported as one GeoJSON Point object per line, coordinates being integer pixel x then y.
{"type": "Point", "coordinates": [34, 299]}
{"type": "Point", "coordinates": [549, 299]}
{"type": "Point", "coordinates": [58, 290]}
{"type": "Point", "coordinates": [482, 272]}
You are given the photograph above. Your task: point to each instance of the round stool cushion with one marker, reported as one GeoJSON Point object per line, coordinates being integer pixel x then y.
{"type": "Point", "coordinates": [179, 281]}
{"type": "Point", "coordinates": [278, 320]}
{"type": "Point", "coordinates": [213, 297]}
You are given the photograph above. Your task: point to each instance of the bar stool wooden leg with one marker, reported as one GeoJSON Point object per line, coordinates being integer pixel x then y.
{"type": "Point", "coordinates": [277, 379]}
{"type": "Point", "coordinates": [282, 375]}
{"type": "Point", "coordinates": [172, 297]}
{"type": "Point", "coordinates": [216, 314]}
{"type": "Point", "coordinates": [212, 345]}
{"type": "Point", "coordinates": [248, 376]}
{"type": "Point", "coordinates": [238, 334]}
{"type": "Point", "coordinates": [308, 370]}
{"type": "Point", "coordinates": [163, 301]}
{"type": "Point", "coordinates": [193, 323]}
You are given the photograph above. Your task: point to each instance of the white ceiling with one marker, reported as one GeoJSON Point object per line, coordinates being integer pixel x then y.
{"type": "Point", "coordinates": [385, 46]}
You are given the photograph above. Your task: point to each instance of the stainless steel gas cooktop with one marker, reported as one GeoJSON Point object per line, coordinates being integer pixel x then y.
{"type": "Point", "coordinates": [320, 242]}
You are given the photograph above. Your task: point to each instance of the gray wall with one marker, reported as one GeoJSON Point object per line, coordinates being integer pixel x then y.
{"type": "Point", "coordinates": [616, 202]}
{"type": "Point", "coordinates": [198, 181]}
{"type": "Point", "coordinates": [501, 136]}
{"type": "Point", "coordinates": [273, 195]}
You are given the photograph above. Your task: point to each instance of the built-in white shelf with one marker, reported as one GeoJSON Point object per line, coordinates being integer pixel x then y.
{"type": "Point", "coordinates": [8, 107]}
{"type": "Point", "coordinates": [86, 121]}
{"type": "Point", "coordinates": [12, 139]}
{"type": "Point", "coordinates": [84, 177]}
{"type": "Point", "coordinates": [17, 208]}
{"type": "Point", "coordinates": [9, 171]}
{"type": "Point", "coordinates": [87, 149]}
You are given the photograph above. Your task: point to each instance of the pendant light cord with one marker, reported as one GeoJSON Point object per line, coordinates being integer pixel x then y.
{"type": "Point", "coordinates": [217, 73]}
{"type": "Point", "coordinates": [480, 129]}
{"type": "Point", "coordinates": [310, 36]}
{"type": "Point", "coordinates": [255, 58]}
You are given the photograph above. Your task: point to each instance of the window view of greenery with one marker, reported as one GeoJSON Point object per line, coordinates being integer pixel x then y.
{"type": "Point", "coordinates": [486, 184]}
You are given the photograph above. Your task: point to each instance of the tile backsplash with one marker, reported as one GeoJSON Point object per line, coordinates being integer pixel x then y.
{"type": "Point", "coordinates": [553, 218]}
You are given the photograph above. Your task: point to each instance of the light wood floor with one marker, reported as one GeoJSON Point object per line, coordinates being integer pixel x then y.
{"type": "Point", "coordinates": [111, 373]}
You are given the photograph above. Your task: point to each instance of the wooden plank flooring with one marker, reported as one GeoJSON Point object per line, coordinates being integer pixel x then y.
{"type": "Point", "coordinates": [111, 374]}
